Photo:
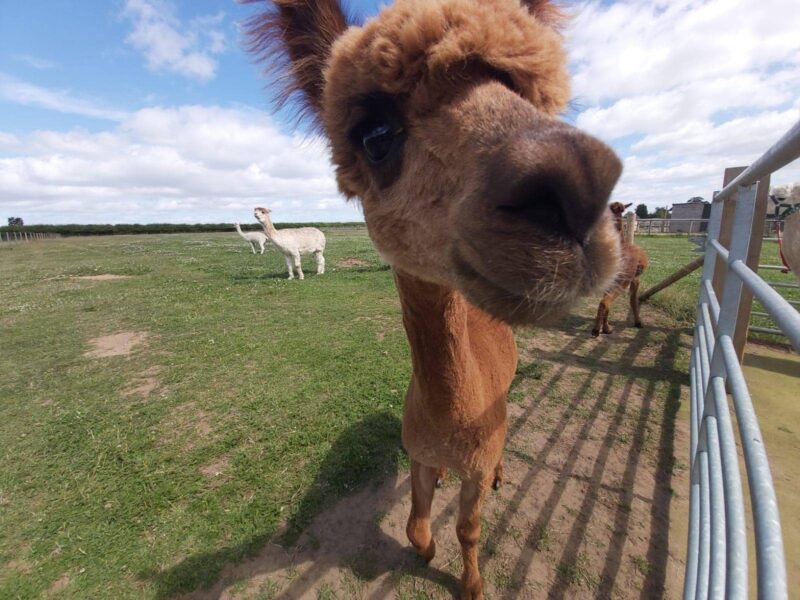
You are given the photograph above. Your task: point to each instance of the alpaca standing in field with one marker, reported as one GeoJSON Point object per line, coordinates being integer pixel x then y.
{"type": "Point", "coordinates": [292, 243]}
{"type": "Point", "coordinates": [634, 262]}
{"type": "Point", "coordinates": [254, 238]}
{"type": "Point", "coordinates": [441, 118]}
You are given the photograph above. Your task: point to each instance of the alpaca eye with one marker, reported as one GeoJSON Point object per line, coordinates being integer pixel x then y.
{"type": "Point", "coordinates": [378, 142]}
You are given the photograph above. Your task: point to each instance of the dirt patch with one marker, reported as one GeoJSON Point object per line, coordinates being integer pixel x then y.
{"type": "Point", "coordinates": [592, 485]}
{"type": "Point", "coordinates": [117, 344]}
{"type": "Point", "coordinates": [351, 263]}
{"type": "Point", "coordinates": [144, 384]}
{"type": "Point", "coordinates": [215, 470]}
{"type": "Point", "coordinates": [103, 277]}
{"type": "Point", "coordinates": [187, 426]}
{"type": "Point", "coordinates": [58, 585]}
{"type": "Point", "coordinates": [21, 566]}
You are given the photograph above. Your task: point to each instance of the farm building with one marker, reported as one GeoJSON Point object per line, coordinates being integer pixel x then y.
{"type": "Point", "coordinates": [683, 213]}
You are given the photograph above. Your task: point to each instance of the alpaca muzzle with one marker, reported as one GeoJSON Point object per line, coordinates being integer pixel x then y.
{"type": "Point", "coordinates": [552, 180]}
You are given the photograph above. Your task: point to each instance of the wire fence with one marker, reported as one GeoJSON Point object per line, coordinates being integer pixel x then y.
{"type": "Point", "coordinates": [716, 565]}
{"type": "Point", "coordinates": [26, 236]}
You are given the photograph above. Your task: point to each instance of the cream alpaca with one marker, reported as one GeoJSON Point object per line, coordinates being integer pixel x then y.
{"type": "Point", "coordinates": [254, 238]}
{"type": "Point", "coordinates": [294, 242]}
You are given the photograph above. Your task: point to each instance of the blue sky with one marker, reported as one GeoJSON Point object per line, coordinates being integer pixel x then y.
{"type": "Point", "coordinates": [149, 110]}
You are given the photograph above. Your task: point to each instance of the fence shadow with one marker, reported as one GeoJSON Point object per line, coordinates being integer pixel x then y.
{"type": "Point", "coordinates": [654, 408]}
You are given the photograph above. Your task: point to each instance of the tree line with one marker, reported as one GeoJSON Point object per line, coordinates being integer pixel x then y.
{"type": "Point", "coordinates": [137, 228]}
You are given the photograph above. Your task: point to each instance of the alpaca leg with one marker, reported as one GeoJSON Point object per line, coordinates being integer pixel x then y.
{"type": "Point", "coordinates": [298, 266]}
{"type": "Point", "coordinates": [253, 247]}
{"type": "Point", "coordinates": [320, 262]}
{"type": "Point", "coordinates": [262, 244]}
{"type": "Point", "coordinates": [606, 328]}
{"type": "Point", "coordinates": [607, 300]}
{"type": "Point", "coordinates": [598, 320]}
{"type": "Point", "coordinates": [468, 530]}
{"type": "Point", "coordinates": [418, 530]}
{"type": "Point", "coordinates": [498, 476]}
{"type": "Point", "coordinates": [601, 320]}
{"type": "Point", "coordinates": [637, 322]}
{"type": "Point", "coordinates": [440, 476]}
{"type": "Point", "coordinates": [289, 265]}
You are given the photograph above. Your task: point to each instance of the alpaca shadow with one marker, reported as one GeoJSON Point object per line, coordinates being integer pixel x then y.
{"type": "Point", "coordinates": [336, 525]}
{"type": "Point", "coordinates": [361, 268]}
{"type": "Point", "coordinates": [251, 277]}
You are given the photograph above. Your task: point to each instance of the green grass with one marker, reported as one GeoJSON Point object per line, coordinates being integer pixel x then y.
{"type": "Point", "coordinates": [106, 488]}
{"type": "Point", "coordinates": [667, 253]}
{"type": "Point", "coordinates": [291, 390]}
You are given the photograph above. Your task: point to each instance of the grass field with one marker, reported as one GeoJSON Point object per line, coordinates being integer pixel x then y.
{"type": "Point", "coordinates": [667, 253]}
{"type": "Point", "coordinates": [170, 404]}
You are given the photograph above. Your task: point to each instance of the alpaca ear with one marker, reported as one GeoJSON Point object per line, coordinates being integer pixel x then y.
{"type": "Point", "coordinates": [546, 12]}
{"type": "Point", "coordinates": [293, 39]}
{"type": "Point", "coordinates": [628, 205]}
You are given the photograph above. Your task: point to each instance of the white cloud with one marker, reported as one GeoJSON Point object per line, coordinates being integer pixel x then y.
{"type": "Point", "coordinates": [686, 88]}
{"type": "Point", "coordinates": [170, 45]}
{"type": "Point", "coordinates": [41, 64]}
{"type": "Point", "coordinates": [190, 163]}
{"type": "Point", "coordinates": [64, 101]}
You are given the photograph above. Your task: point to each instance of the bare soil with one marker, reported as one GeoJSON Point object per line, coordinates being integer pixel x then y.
{"type": "Point", "coordinates": [187, 426]}
{"type": "Point", "coordinates": [103, 277]}
{"type": "Point", "coordinates": [117, 344]}
{"type": "Point", "coordinates": [58, 585]}
{"type": "Point", "coordinates": [215, 471]}
{"type": "Point", "coordinates": [350, 263]}
{"type": "Point", "coordinates": [143, 385]}
{"type": "Point", "coordinates": [592, 484]}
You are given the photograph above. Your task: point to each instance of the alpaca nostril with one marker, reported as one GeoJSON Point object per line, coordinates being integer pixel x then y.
{"type": "Point", "coordinates": [544, 201]}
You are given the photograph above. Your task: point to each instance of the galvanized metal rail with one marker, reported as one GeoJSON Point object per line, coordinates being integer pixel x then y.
{"type": "Point", "coordinates": [716, 564]}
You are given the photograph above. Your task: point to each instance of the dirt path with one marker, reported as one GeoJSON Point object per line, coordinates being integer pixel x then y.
{"type": "Point", "coordinates": [591, 487]}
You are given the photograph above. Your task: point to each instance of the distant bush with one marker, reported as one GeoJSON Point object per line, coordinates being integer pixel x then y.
{"type": "Point", "coordinates": [136, 228]}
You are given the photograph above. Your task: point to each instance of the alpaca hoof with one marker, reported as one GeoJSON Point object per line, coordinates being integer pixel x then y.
{"type": "Point", "coordinates": [439, 483]}
{"type": "Point", "coordinates": [638, 324]}
{"type": "Point", "coordinates": [496, 483]}
{"type": "Point", "coordinates": [472, 591]}
{"type": "Point", "coordinates": [608, 331]}
{"type": "Point", "coordinates": [429, 552]}
{"type": "Point", "coordinates": [595, 332]}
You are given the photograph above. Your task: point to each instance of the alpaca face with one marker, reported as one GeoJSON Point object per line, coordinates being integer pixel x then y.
{"type": "Point", "coordinates": [262, 214]}
{"type": "Point", "coordinates": [440, 116]}
{"type": "Point", "coordinates": [441, 119]}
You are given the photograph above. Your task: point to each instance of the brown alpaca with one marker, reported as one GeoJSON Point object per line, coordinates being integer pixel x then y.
{"type": "Point", "coordinates": [441, 120]}
{"type": "Point", "coordinates": [633, 264]}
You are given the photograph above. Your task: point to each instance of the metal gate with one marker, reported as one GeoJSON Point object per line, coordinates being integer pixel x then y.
{"type": "Point", "coordinates": [716, 563]}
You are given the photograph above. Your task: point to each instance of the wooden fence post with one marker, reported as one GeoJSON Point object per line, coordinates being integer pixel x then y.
{"type": "Point", "coordinates": [725, 227]}
{"type": "Point", "coordinates": [630, 220]}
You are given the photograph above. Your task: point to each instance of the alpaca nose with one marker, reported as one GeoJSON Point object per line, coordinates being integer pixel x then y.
{"type": "Point", "coordinates": [556, 178]}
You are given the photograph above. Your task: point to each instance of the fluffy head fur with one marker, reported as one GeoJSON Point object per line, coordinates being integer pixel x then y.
{"type": "Point", "coordinates": [484, 190]}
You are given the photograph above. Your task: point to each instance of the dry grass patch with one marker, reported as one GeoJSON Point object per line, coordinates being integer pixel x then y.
{"type": "Point", "coordinates": [116, 344]}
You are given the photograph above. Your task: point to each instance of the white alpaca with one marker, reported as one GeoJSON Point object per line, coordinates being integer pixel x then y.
{"type": "Point", "coordinates": [294, 242]}
{"type": "Point", "coordinates": [254, 238]}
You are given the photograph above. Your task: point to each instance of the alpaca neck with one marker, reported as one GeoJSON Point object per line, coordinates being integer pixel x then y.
{"type": "Point", "coordinates": [620, 229]}
{"type": "Point", "coordinates": [461, 357]}
{"type": "Point", "coordinates": [239, 229]}
{"type": "Point", "coordinates": [268, 227]}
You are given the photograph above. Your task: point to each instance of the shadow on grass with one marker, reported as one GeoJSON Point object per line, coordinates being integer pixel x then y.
{"type": "Point", "coordinates": [346, 535]}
